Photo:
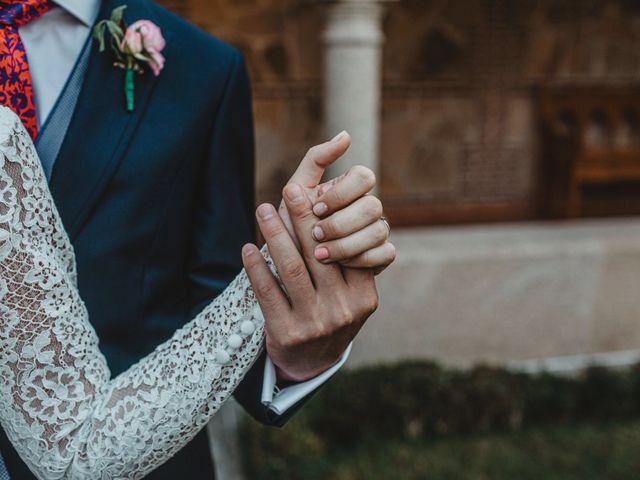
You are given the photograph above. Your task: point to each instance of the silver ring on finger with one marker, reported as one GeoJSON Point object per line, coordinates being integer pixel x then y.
{"type": "Point", "coordinates": [386, 222]}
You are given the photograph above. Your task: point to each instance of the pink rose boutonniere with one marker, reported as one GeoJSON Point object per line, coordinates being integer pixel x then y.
{"type": "Point", "coordinates": [134, 46]}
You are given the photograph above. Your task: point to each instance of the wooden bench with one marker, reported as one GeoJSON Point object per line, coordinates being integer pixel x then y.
{"type": "Point", "coordinates": [589, 136]}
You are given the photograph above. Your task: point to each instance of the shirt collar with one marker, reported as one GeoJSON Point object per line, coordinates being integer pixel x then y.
{"type": "Point", "coordinates": [84, 10]}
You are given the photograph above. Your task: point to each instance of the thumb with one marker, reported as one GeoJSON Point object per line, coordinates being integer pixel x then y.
{"type": "Point", "coordinates": [318, 158]}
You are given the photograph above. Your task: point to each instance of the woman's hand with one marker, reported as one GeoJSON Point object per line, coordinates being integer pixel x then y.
{"type": "Point", "coordinates": [351, 230]}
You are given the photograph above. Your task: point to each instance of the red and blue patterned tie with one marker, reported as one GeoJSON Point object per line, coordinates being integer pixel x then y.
{"type": "Point", "coordinates": [16, 87]}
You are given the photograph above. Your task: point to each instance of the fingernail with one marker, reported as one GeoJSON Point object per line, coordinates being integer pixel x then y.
{"type": "Point", "coordinates": [338, 137]}
{"type": "Point", "coordinates": [320, 208]}
{"type": "Point", "coordinates": [318, 233]}
{"type": "Point", "coordinates": [248, 250]}
{"type": "Point", "coordinates": [294, 193]}
{"type": "Point", "coordinates": [321, 253]}
{"type": "Point", "coordinates": [265, 212]}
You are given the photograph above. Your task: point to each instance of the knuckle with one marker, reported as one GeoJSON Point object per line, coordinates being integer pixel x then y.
{"type": "Point", "coordinates": [294, 268]}
{"type": "Point", "coordinates": [297, 209]}
{"type": "Point", "coordinates": [344, 315]}
{"type": "Point", "coordinates": [337, 250]}
{"type": "Point", "coordinates": [251, 262]}
{"type": "Point", "coordinates": [365, 175]}
{"type": "Point", "coordinates": [337, 198]}
{"type": "Point", "coordinates": [253, 266]}
{"type": "Point", "coordinates": [282, 340]}
{"type": "Point", "coordinates": [391, 252]}
{"type": "Point", "coordinates": [371, 301]}
{"type": "Point", "coordinates": [365, 259]}
{"type": "Point", "coordinates": [345, 308]}
{"type": "Point", "coordinates": [293, 339]}
{"type": "Point", "coordinates": [359, 261]}
{"type": "Point", "coordinates": [265, 290]}
{"type": "Point", "coordinates": [299, 212]}
{"type": "Point", "coordinates": [305, 213]}
{"type": "Point", "coordinates": [320, 331]}
{"type": "Point", "coordinates": [381, 232]}
{"type": "Point", "coordinates": [329, 227]}
{"type": "Point", "coordinates": [274, 229]}
{"type": "Point", "coordinates": [284, 196]}
{"type": "Point", "coordinates": [374, 304]}
{"type": "Point", "coordinates": [313, 151]}
{"type": "Point", "coordinates": [350, 317]}
{"type": "Point", "coordinates": [373, 206]}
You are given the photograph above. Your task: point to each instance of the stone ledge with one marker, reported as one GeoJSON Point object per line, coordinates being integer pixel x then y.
{"type": "Point", "coordinates": [503, 294]}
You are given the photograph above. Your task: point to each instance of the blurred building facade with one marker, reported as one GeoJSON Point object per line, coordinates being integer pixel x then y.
{"type": "Point", "coordinates": [460, 136]}
{"type": "Point", "coordinates": [464, 139]}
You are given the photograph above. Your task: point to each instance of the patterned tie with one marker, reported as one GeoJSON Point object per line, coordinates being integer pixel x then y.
{"type": "Point", "coordinates": [16, 88]}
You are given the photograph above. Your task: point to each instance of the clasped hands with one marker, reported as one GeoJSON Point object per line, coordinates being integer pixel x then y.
{"type": "Point", "coordinates": [327, 242]}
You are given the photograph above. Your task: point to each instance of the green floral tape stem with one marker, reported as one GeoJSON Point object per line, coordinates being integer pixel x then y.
{"type": "Point", "coordinates": [129, 89]}
{"type": "Point", "coordinates": [133, 47]}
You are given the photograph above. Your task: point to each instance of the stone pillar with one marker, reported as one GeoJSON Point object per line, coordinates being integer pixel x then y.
{"type": "Point", "coordinates": [353, 50]}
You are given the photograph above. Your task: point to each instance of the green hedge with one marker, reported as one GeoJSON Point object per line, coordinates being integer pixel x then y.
{"type": "Point", "coordinates": [422, 399]}
{"type": "Point", "coordinates": [415, 401]}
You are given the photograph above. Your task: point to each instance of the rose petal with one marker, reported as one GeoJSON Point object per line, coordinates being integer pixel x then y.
{"type": "Point", "coordinates": [152, 38]}
{"type": "Point", "coordinates": [132, 41]}
{"type": "Point", "coordinates": [157, 62]}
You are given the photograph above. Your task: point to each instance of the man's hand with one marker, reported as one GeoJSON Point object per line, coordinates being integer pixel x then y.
{"type": "Point", "coordinates": [351, 231]}
{"type": "Point", "coordinates": [308, 330]}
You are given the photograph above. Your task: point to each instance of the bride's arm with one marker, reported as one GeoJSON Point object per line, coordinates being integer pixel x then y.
{"type": "Point", "coordinates": [60, 409]}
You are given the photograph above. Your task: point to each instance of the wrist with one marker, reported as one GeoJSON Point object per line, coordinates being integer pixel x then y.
{"type": "Point", "coordinates": [285, 378]}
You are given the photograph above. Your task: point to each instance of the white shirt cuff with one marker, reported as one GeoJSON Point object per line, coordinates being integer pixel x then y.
{"type": "Point", "coordinates": [279, 401]}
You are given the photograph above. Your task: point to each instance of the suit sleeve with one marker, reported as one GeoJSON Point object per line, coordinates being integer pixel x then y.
{"type": "Point", "coordinates": [224, 221]}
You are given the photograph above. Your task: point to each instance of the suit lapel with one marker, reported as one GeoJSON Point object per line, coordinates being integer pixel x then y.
{"type": "Point", "coordinates": [100, 130]}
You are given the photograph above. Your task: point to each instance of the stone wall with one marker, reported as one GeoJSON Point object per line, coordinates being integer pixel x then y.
{"type": "Point", "coordinates": [508, 294]}
{"type": "Point", "coordinates": [458, 120]}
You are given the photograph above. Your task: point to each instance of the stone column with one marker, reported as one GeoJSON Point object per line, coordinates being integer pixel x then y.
{"type": "Point", "coordinates": [353, 50]}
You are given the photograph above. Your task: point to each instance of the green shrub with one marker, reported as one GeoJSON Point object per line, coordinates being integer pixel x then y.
{"type": "Point", "coordinates": [420, 400]}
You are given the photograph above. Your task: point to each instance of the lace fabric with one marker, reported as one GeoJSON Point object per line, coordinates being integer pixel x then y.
{"type": "Point", "coordinates": [58, 405]}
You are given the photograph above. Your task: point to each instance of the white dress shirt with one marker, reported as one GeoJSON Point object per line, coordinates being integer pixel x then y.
{"type": "Point", "coordinates": [53, 43]}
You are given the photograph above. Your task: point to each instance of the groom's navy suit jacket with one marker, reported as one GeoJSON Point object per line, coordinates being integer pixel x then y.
{"type": "Point", "coordinates": [159, 202]}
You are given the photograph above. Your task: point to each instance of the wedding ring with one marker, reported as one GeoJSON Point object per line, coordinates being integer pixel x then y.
{"type": "Point", "coordinates": [386, 222]}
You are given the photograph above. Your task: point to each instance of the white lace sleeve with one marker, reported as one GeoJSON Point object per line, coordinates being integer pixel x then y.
{"type": "Point", "coordinates": [58, 405]}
